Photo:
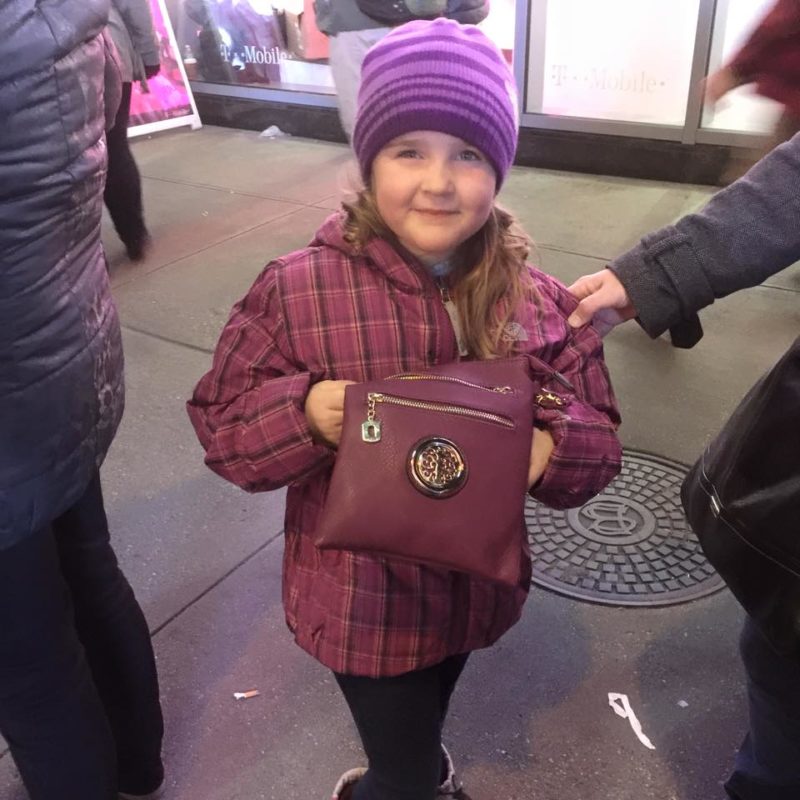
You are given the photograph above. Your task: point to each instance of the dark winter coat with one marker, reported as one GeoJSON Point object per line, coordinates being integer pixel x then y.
{"type": "Point", "coordinates": [130, 23]}
{"type": "Point", "coordinates": [746, 233]}
{"type": "Point", "coordinates": [61, 392]}
{"type": "Point", "coordinates": [340, 16]}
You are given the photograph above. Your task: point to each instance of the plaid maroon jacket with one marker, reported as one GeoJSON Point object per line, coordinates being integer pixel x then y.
{"type": "Point", "coordinates": [326, 313]}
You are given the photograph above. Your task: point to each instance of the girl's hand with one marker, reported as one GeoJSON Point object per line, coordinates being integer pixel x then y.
{"type": "Point", "coordinates": [325, 411]}
{"type": "Point", "coordinates": [542, 446]}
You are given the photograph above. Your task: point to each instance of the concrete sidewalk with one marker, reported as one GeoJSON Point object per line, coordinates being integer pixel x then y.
{"type": "Point", "coordinates": [530, 719]}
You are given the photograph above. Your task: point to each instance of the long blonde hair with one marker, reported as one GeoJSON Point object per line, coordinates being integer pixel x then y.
{"type": "Point", "coordinates": [490, 280]}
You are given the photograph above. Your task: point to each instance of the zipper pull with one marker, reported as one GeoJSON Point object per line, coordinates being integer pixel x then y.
{"type": "Point", "coordinates": [452, 312]}
{"type": "Point", "coordinates": [371, 427]}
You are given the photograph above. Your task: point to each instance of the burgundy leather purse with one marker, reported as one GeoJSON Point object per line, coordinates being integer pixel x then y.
{"type": "Point", "coordinates": [432, 468]}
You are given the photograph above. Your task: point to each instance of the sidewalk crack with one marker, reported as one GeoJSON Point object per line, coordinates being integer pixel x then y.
{"type": "Point", "coordinates": [196, 347]}
{"type": "Point", "coordinates": [214, 585]}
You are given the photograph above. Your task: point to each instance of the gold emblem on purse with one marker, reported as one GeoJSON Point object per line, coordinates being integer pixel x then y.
{"type": "Point", "coordinates": [437, 467]}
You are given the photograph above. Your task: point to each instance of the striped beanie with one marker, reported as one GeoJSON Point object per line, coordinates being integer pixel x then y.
{"type": "Point", "coordinates": [437, 75]}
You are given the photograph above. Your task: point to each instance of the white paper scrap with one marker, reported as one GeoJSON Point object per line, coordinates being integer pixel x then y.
{"type": "Point", "coordinates": [622, 708]}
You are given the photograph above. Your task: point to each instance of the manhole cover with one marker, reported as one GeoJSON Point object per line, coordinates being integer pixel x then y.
{"type": "Point", "coordinates": [629, 546]}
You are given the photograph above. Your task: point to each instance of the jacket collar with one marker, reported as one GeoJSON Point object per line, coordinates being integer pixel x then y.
{"type": "Point", "coordinates": [402, 270]}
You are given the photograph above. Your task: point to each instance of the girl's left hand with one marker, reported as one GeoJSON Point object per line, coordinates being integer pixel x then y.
{"type": "Point", "coordinates": [325, 411]}
{"type": "Point", "coordinates": [542, 445]}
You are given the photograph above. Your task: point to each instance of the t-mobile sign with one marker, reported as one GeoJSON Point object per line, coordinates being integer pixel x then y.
{"type": "Point", "coordinates": [627, 60]}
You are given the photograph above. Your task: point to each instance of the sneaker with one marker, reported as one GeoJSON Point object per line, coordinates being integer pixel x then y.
{"type": "Point", "coordinates": [344, 788]}
{"type": "Point", "coordinates": [450, 786]}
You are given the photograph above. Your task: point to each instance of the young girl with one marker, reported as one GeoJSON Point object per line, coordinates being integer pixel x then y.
{"type": "Point", "coordinates": [421, 269]}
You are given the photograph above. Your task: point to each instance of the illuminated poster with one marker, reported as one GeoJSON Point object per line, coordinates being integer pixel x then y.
{"type": "Point", "coordinates": [626, 60]}
{"type": "Point", "coordinates": [169, 102]}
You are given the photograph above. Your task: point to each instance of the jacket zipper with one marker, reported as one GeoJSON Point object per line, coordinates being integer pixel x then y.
{"type": "Point", "coordinates": [371, 427]}
{"type": "Point", "coordinates": [452, 312]}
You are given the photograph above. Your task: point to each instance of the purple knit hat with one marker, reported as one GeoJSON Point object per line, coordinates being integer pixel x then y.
{"type": "Point", "coordinates": [437, 75]}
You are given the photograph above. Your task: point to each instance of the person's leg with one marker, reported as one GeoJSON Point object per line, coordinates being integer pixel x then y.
{"type": "Point", "coordinates": [123, 192]}
{"type": "Point", "coordinates": [346, 54]}
{"type": "Point", "coordinates": [768, 762]}
{"type": "Point", "coordinates": [50, 712]}
{"type": "Point", "coordinates": [399, 720]}
{"type": "Point", "coordinates": [116, 639]}
{"type": "Point", "coordinates": [449, 672]}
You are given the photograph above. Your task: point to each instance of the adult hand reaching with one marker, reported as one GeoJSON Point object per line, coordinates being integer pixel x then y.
{"type": "Point", "coordinates": [603, 301]}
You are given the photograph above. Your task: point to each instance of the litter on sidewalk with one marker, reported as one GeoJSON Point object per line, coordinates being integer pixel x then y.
{"type": "Point", "coordinates": [246, 695]}
{"type": "Point", "coordinates": [273, 132]}
{"type": "Point", "coordinates": [622, 708]}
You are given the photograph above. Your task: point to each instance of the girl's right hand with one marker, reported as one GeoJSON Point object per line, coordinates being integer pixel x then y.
{"type": "Point", "coordinates": [542, 446]}
{"type": "Point", "coordinates": [325, 411]}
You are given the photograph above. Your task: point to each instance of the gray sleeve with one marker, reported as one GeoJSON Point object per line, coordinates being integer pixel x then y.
{"type": "Point", "coordinates": [746, 233]}
{"type": "Point", "coordinates": [139, 22]}
{"type": "Point", "coordinates": [342, 16]}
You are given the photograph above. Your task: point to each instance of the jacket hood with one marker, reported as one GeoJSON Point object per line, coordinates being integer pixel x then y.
{"type": "Point", "coordinates": [401, 270]}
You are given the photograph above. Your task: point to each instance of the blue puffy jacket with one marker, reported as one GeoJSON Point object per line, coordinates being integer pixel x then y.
{"type": "Point", "coordinates": [61, 390]}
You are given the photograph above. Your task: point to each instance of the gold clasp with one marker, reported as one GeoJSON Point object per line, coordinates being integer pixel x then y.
{"type": "Point", "coordinates": [549, 400]}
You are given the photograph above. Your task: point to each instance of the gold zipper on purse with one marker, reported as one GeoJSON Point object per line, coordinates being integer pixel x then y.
{"type": "Point", "coordinates": [412, 376]}
{"type": "Point", "coordinates": [371, 427]}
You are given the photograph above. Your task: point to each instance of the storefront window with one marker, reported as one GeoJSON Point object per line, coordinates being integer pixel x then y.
{"type": "Point", "coordinates": [624, 60]}
{"type": "Point", "coordinates": [271, 43]}
{"type": "Point", "coordinates": [276, 43]}
{"type": "Point", "coordinates": [740, 110]}
{"type": "Point", "coordinates": [500, 25]}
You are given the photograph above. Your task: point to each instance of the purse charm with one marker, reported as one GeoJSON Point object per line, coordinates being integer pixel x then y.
{"type": "Point", "coordinates": [371, 427]}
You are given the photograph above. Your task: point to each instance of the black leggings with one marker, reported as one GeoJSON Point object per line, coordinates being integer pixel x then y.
{"type": "Point", "coordinates": [78, 688]}
{"type": "Point", "coordinates": [768, 762]}
{"type": "Point", "coordinates": [123, 193]}
{"type": "Point", "coordinates": [400, 723]}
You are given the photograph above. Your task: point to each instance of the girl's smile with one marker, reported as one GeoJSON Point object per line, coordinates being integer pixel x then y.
{"type": "Point", "coordinates": [433, 190]}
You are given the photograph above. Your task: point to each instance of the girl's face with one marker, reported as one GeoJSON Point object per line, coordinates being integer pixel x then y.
{"type": "Point", "coordinates": [433, 190]}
